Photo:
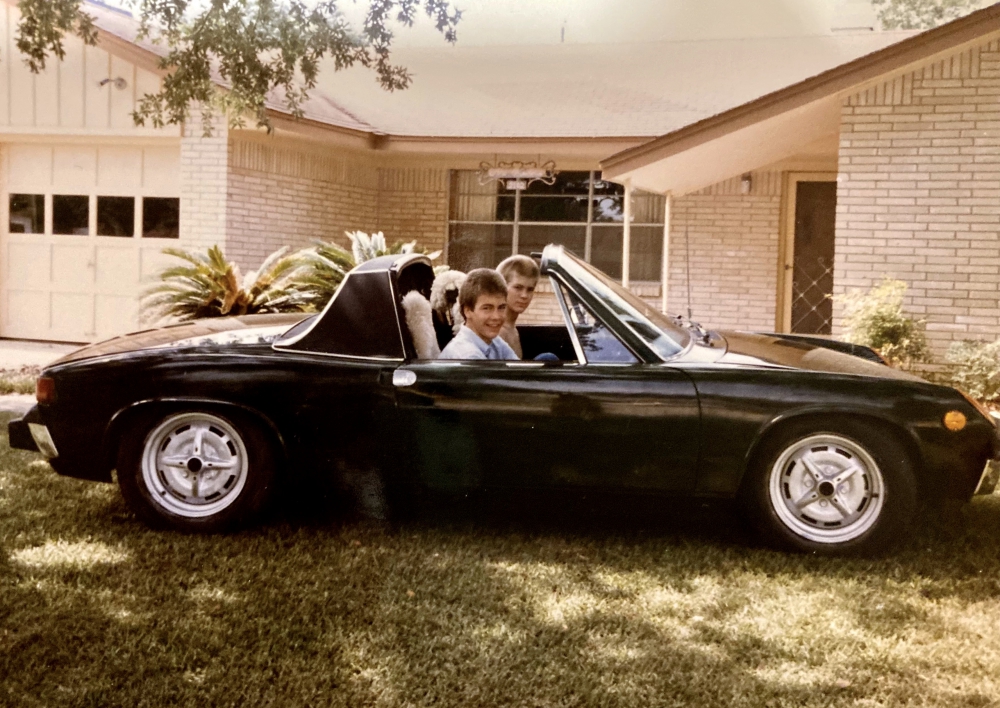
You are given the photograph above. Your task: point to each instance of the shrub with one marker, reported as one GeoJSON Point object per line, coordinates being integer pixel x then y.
{"type": "Point", "coordinates": [211, 286]}
{"type": "Point", "coordinates": [325, 264]}
{"type": "Point", "coordinates": [876, 319]}
{"type": "Point", "coordinates": [974, 367]}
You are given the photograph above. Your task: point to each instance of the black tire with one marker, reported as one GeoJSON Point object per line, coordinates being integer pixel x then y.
{"type": "Point", "coordinates": [800, 491]}
{"type": "Point", "coordinates": [172, 478]}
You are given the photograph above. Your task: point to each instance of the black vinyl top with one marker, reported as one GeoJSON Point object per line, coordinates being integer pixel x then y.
{"type": "Point", "coordinates": [363, 319]}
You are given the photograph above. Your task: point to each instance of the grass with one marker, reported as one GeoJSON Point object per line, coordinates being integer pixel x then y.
{"type": "Point", "coordinates": [20, 380]}
{"type": "Point", "coordinates": [97, 610]}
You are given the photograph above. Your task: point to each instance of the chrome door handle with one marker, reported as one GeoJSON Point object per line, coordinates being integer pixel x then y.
{"type": "Point", "coordinates": [403, 377]}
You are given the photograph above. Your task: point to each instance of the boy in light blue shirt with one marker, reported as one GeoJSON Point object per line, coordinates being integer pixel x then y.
{"type": "Point", "coordinates": [483, 298]}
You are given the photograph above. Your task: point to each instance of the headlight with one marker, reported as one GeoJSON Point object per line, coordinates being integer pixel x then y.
{"type": "Point", "coordinates": [979, 407]}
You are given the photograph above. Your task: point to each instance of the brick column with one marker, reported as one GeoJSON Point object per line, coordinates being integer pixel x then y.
{"type": "Point", "coordinates": [204, 171]}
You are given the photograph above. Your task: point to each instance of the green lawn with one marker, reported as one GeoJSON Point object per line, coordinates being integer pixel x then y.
{"type": "Point", "coordinates": [96, 610]}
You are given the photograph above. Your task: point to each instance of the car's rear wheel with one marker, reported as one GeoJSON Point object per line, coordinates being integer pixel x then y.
{"type": "Point", "coordinates": [847, 489]}
{"type": "Point", "coordinates": [196, 470]}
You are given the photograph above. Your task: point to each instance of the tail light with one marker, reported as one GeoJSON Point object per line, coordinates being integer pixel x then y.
{"type": "Point", "coordinates": [45, 390]}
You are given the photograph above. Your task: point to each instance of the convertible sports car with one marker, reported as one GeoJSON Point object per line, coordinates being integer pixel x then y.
{"type": "Point", "coordinates": [826, 451]}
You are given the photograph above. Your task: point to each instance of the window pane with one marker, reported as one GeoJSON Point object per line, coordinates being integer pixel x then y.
{"type": "Point", "coordinates": [70, 215]}
{"type": "Point", "coordinates": [609, 209]}
{"type": "Point", "coordinates": [599, 344]}
{"type": "Point", "coordinates": [602, 188]}
{"type": "Point", "coordinates": [647, 208]}
{"type": "Point", "coordinates": [116, 216]}
{"type": "Point", "coordinates": [532, 239]}
{"type": "Point", "coordinates": [467, 182]}
{"type": "Point", "coordinates": [553, 208]}
{"type": "Point", "coordinates": [27, 214]}
{"type": "Point", "coordinates": [606, 250]}
{"type": "Point", "coordinates": [478, 245]}
{"type": "Point", "coordinates": [471, 208]}
{"type": "Point", "coordinates": [566, 183]}
{"type": "Point", "coordinates": [645, 252]}
{"type": "Point", "coordinates": [161, 217]}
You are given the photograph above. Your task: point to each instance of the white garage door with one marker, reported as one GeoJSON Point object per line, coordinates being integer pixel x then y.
{"type": "Point", "coordinates": [83, 230]}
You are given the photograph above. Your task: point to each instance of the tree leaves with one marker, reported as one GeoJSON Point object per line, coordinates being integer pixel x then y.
{"type": "Point", "coordinates": [921, 14]}
{"type": "Point", "coordinates": [261, 51]}
{"type": "Point", "coordinates": [43, 25]}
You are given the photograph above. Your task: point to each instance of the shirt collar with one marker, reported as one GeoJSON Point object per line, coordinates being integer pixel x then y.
{"type": "Point", "coordinates": [480, 343]}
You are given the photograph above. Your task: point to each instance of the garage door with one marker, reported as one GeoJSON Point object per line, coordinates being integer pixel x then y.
{"type": "Point", "coordinates": [84, 227]}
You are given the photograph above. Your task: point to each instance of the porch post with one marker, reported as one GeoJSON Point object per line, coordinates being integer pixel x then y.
{"type": "Point", "coordinates": [665, 274]}
{"type": "Point", "coordinates": [627, 234]}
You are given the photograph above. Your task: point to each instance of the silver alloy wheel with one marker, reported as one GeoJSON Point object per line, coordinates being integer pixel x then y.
{"type": "Point", "coordinates": [826, 488]}
{"type": "Point", "coordinates": [194, 464]}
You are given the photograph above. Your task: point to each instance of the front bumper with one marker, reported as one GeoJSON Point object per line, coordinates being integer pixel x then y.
{"type": "Point", "coordinates": [991, 470]}
{"type": "Point", "coordinates": [30, 433]}
{"type": "Point", "coordinates": [990, 477]}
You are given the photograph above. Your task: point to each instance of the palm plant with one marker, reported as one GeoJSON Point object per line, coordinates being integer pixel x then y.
{"type": "Point", "coordinates": [211, 286]}
{"type": "Point", "coordinates": [325, 265]}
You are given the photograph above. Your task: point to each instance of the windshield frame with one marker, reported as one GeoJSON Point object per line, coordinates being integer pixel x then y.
{"type": "Point", "coordinates": [602, 290]}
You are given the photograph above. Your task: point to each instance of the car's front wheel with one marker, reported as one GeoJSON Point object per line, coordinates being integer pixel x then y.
{"type": "Point", "coordinates": [196, 470]}
{"type": "Point", "coordinates": [844, 490]}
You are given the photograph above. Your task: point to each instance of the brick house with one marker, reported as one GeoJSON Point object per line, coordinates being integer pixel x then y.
{"type": "Point", "coordinates": [872, 151]}
{"type": "Point", "coordinates": [907, 184]}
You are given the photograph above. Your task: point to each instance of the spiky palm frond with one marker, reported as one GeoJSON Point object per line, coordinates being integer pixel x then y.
{"type": "Point", "coordinates": [324, 266]}
{"type": "Point", "coordinates": [211, 286]}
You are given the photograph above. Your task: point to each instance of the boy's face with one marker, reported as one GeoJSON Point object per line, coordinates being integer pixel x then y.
{"type": "Point", "coordinates": [520, 291]}
{"type": "Point", "coordinates": [487, 317]}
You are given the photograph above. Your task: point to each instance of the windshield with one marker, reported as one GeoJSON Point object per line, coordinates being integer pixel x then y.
{"type": "Point", "coordinates": [659, 331]}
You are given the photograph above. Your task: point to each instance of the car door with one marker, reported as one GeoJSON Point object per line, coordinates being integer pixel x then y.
{"type": "Point", "coordinates": [606, 420]}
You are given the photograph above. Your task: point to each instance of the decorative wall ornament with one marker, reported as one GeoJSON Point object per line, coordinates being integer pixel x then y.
{"type": "Point", "coordinates": [517, 174]}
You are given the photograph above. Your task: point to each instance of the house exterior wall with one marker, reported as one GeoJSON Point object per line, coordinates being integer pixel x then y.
{"type": "Point", "coordinates": [724, 253]}
{"type": "Point", "coordinates": [919, 194]}
{"type": "Point", "coordinates": [723, 258]}
{"type": "Point", "coordinates": [413, 205]}
{"type": "Point", "coordinates": [291, 194]}
{"type": "Point", "coordinates": [68, 96]}
{"type": "Point", "coordinates": [287, 193]}
{"type": "Point", "coordinates": [204, 166]}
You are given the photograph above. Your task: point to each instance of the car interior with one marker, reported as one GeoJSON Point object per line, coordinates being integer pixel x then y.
{"type": "Point", "coordinates": [535, 339]}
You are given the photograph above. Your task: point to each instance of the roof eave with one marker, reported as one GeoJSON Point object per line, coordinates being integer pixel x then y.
{"type": "Point", "coordinates": [893, 59]}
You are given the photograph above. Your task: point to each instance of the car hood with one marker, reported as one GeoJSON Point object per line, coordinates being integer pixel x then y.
{"type": "Point", "coordinates": [214, 332]}
{"type": "Point", "coordinates": [765, 350]}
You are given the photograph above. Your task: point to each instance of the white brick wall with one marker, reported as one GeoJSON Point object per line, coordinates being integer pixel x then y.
{"type": "Point", "coordinates": [728, 242]}
{"type": "Point", "coordinates": [919, 193]}
{"type": "Point", "coordinates": [204, 170]}
{"type": "Point", "coordinates": [285, 193]}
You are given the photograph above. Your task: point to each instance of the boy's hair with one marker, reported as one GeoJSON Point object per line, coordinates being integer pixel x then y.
{"type": "Point", "coordinates": [481, 281]}
{"type": "Point", "coordinates": [521, 265]}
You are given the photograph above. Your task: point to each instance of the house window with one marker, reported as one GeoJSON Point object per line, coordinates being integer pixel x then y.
{"type": "Point", "coordinates": [116, 216]}
{"type": "Point", "coordinates": [582, 212]}
{"type": "Point", "coordinates": [161, 217]}
{"type": "Point", "coordinates": [27, 214]}
{"type": "Point", "coordinates": [71, 214]}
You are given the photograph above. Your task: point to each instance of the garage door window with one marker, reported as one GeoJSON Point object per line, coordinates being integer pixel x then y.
{"type": "Point", "coordinates": [161, 217]}
{"type": "Point", "coordinates": [27, 214]}
{"type": "Point", "coordinates": [116, 216]}
{"type": "Point", "coordinates": [70, 215]}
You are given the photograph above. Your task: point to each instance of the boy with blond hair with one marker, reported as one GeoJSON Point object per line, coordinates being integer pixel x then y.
{"type": "Point", "coordinates": [521, 274]}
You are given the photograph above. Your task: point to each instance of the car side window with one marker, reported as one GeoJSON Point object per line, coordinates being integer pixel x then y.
{"type": "Point", "coordinates": [600, 345]}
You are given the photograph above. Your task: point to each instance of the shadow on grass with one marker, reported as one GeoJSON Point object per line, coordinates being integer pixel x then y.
{"type": "Point", "coordinates": [473, 607]}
